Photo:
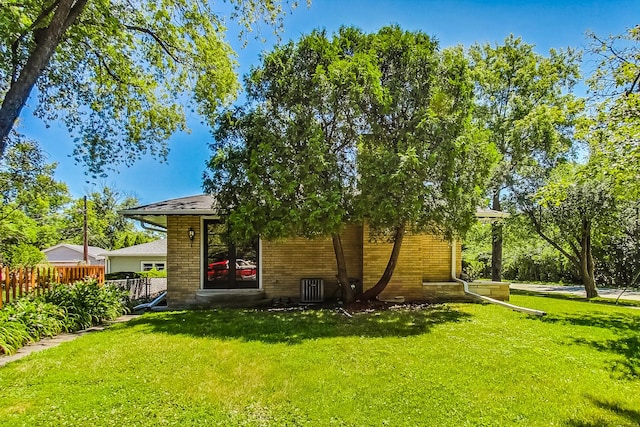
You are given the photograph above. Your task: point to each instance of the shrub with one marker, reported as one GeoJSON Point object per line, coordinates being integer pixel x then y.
{"type": "Point", "coordinates": [27, 320]}
{"type": "Point", "coordinates": [41, 318]}
{"type": "Point", "coordinates": [87, 303]}
{"type": "Point", "coordinates": [13, 335]}
{"type": "Point", "coordinates": [65, 308]}
{"type": "Point", "coordinates": [474, 269]}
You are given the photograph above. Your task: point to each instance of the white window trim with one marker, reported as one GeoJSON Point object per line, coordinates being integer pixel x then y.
{"type": "Point", "coordinates": [153, 264]}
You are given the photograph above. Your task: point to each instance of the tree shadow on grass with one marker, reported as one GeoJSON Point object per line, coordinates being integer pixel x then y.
{"type": "Point", "coordinates": [627, 326]}
{"type": "Point", "coordinates": [617, 322]}
{"type": "Point", "coordinates": [632, 415]}
{"type": "Point", "coordinates": [571, 297]}
{"type": "Point", "coordinates": [627, 347]}
{"type": "Point", "coordinates": [294, 327]}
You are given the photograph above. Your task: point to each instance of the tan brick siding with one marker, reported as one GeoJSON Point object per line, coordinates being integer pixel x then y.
{"type": "Point", "coordinates": [495, 290]}
{"type": "Point", "coordinates": [285, 262]}
{"type": "Point", "coordinates": [183, 260]}
{"type": "Point", "coordinates": [423, 258]}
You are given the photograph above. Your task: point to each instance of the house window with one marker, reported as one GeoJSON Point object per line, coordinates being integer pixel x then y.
{"type": "Point", "coordinates": [150, 265]}
{"type": "Point", "coordinates": [227, 265]}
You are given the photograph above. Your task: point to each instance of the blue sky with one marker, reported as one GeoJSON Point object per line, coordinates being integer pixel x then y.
{"type": "Point", "coordinates": [546, 24]}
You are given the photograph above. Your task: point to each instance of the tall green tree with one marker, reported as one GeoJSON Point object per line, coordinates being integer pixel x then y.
{"type": "Point", "coordinates": [285, 162]}
{"type": "Point", "coordinates": [573, 211]}
{"type": "Point", "coordinates": [613, 133]}
{"type": "Point", "coordinates": [118, 72]}
{"type": "Point", "coordinates": [525, 104]}
{"type": "Point", "coordinates": [30, 199]}
{"type": "Point", "coordinates": [353, 128]}
{"type": "Point", "coordinates": [423, 167]}
{"type": "Point", "coordinates": [614, 128]}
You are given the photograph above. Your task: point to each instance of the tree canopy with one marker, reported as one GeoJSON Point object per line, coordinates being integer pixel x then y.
{"type": "Point", "coordinates": [356, 127]}
{"type": "Point", "coordinates": [525, 104]}
{"type": "Point", "coordinates": [613, 131]}
{"type": "Point", "coordinates": [30, 197]}
{"type": "Point", "coordinates": [119, 73]}
{"type": "Point", "coordinates": [37, 212]}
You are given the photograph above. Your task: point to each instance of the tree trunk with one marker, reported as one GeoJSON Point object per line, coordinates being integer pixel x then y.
{"type": "Point", "coordinates": [587, 267]}
{"type": "Point", "coordinates": [46, 40]}
{"type": "Point", "coordinates": [348, 294]}
{"type": "Point", "coordinates": [391, 265]}
{"type": "Point", "coordinates": [496, 242]}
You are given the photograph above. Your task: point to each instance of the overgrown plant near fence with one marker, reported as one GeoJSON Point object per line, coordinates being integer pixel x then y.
{"type": "Point", "coordinates": [66, 308]}
{"type": "Point", "coordinates": [19, 282]}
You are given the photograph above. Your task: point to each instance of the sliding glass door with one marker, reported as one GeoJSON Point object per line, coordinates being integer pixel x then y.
{"type": "Point", "coordinates": [228, 266]}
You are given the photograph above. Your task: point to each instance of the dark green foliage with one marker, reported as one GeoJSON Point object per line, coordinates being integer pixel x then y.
{"type": "Point", "coordinates": [87, 303]}
{"type": "Point", "coordinates": [28, 320]}
{"type": "Point", "coordinates": [13, 335]}
{"type": "Point", "coordinates": [352, 128]}
{"type": "Point", "coordinates": [526, 256]}
{"type": "Point", "coordinates": [547, 265]}
{"type": "Point", "coordinates": [40, 318]}
{"type": "Point", "coordinates": [66, 308]}
{"type": "Point", "coordinates": [618, 254]}
{"type": "Point", "coordinates": [30, 199]}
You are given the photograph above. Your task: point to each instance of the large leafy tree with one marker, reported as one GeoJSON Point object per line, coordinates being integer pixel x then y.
{"type": "Point", "coordinates": [525, 105]}
{"type": "Point", "coordinates": [613, 132]}
{"type": "Point", "coordinates": [357, 127]}
{"type": "Point", "coordinates": [119, 72]}
{"type": "Point", "coordinates": [614, 129]}
{"type": "Point", "coordinates": [423, 166]}
{"type": "Point", "coordinates": [574, 210]}
{"type": "Point", "coordinates": [30, 199]}
{"type": "Point", "coordinates": [285, 162]}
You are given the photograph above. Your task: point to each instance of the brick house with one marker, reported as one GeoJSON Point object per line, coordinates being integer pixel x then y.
{"type": "Point", "coordinates": [201, 268]}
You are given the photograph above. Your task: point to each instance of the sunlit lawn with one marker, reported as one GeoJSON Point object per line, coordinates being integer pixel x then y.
{"type": "Point", "coordinates": [455, 364]}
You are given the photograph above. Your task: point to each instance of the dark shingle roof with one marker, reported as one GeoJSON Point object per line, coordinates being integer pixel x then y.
{"type": "Point", "coordinates": [204, 204]}
{"type": "Point", "coordinates": [156, 213]}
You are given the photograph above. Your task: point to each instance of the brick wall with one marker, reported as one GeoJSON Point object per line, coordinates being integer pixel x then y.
{"type": "Point", "coordinates": [423, 258]}
{"type": "Point", "coordinates": [183, 260]}
{"type": "Point", "coordinates": [285, 262]}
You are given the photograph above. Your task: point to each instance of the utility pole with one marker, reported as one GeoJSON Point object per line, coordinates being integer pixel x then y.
{"type": "Point", "coordinates": [86, 237]}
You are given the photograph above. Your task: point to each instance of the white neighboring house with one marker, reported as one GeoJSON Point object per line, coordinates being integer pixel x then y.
{"type": "Point", "coordinates": [136, 258]}
{"type": "Point", "coordinates": [65, 254]}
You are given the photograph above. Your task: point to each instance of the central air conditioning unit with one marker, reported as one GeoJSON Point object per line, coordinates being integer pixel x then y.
{"type": "Point", "coordinates": [311, 290]}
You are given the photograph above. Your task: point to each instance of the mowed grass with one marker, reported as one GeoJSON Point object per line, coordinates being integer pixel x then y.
{"type": "Point", "coordinates": [449, 365]}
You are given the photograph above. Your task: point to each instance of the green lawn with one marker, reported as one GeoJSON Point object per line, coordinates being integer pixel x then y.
{"type": "Point", "coordinates": [454, 364]}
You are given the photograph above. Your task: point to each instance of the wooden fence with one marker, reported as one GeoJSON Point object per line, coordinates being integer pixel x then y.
{"type": "Point", "coordinates": [18, 282]}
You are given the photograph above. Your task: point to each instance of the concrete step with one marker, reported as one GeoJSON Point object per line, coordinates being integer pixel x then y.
{"type": "Point", "coordinates": [231, 297]}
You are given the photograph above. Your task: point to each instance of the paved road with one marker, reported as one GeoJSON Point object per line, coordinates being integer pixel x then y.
{"type": "Point", "coordinates": [576, 290]}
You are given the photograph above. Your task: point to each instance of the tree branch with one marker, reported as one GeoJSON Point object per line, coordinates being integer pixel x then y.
{"type": "Point", "coordinates": [635, 82]}
{"type": "Point", "coordinates": [103, 63]}
{"type": "Point", "coordinates": [16, 44]}
{"type": "Point", "coordinates": [538, 228]}
{"type": "Point", "coordinates": [158, 40]}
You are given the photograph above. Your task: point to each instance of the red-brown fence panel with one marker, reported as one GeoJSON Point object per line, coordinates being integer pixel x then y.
{"type": "Point", "coordinates": [18, 282]}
